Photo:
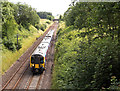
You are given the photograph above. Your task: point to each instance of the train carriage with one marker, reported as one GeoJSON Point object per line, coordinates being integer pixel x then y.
{"type": "Point", "coordinates": [38, 58]}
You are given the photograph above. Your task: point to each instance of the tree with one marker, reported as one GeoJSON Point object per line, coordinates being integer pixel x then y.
{"type": "Point", "coordinates": [26, 15]}
{"type": "Point", "coordinates": [45, 15]}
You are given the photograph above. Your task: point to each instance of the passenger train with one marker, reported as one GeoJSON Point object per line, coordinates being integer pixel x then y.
{"type": "Point", "coordinates": [38, 58]}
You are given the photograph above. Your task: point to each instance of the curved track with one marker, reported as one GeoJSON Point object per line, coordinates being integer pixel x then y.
{"type": "Point", "coordinates": [23, 77]}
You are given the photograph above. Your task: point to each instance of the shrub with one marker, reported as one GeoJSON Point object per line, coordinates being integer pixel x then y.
{"type": "Point", "coordinates": [37, 26]}
{"type": "Point", "coordinates": [47, 22]}
{"type": "Point", "coordinates": [80, 65]}
{"type": "Point", "coordinates": [9, 44]}
{"type": "Point", "coordinates": [43, 27]}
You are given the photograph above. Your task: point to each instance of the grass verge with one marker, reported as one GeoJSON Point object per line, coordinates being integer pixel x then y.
{"type": "Point", "coordinates": [9, 57]}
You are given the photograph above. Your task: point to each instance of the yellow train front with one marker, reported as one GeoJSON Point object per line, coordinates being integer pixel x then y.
{"type": "Point", "coordinates": [37, 59]}
{"type": "Point", "coordinates": [37, 63]}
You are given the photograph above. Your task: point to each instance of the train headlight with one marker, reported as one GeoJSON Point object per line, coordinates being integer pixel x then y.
{"type": "Point", "coordinates": [32, 64]}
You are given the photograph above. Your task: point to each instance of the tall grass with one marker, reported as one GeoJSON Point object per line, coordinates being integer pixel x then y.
{"type": "Point", "coordinates": [9, 57]}
{"type": "Point", "coordinates": [43, 21]}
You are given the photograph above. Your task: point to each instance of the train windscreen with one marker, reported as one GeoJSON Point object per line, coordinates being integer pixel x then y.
{"type": "Point", "coordinates": [37, 59]}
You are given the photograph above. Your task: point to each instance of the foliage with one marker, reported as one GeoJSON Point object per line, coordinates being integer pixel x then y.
{"type": "Point", "coordinates": [60, 18]}
{"type": "Point", "coordinates": [82, 65]}
{"type": "Point", "coordinates": [9, 57]}
{"type": "Point", "coordinates": [50, 17]}
{"type": "Point", "coordinates": [87, 49]}
{"type": "Point", "coordinates": [103, 16]}
{"type": "Point", "coordinates": [43, 27]}
{"type": "Point", "coordinates": [37, 26]}
{"type": "Point", "coordinates": [45, 15]}
{"type": "Point", "coordinates": [47, 22]}
{"type": "Point", "coordinates": [22, 20]}
{"type": "Point", "coordinates": [15, 18]}
{"type": "Point", "coordinates": [114, 84]}
{"type": "Point", "coordinates": [9, 44]}
{"type": "Point", "coordinates": [26, 15]}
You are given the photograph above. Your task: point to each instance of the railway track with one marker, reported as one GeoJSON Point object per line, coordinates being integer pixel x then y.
{"type": "Point", "coordinates": [15, 79]}
{"type": "Point", "coordinates": [34, 82]}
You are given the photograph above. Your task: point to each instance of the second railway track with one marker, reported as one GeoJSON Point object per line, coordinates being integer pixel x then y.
{"type": "Point", "coordinates": [16, 79]}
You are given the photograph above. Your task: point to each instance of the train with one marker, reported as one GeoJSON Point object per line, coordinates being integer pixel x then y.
{"type": "Point", "coordinates": [38, 57]}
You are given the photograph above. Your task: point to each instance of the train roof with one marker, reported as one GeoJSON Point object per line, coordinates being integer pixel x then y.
{"type": "Point", "coordinates": [50, 33]}
{"type": "Point", "coordinates": [41, 49]}
{"type": "Point", "coordinates": [43, 46]}
{"type": "Point", "coordinates": [46, 40]}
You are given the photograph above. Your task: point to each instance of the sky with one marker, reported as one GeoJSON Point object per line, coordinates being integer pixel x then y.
{"type": "Point", "coordinates": [53, 6]}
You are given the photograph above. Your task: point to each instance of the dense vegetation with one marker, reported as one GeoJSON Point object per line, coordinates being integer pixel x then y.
{"type": "Point", "coordinates": [18, 20]}
{"type": "Point", "coordinates": [45, 15]}
{"type": "Point", "coordinates": [87, 50]}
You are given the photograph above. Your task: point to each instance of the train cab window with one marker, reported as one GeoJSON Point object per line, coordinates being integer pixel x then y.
{"type": "Point", "coordinates": [32, 59]}
{"type": "Point", "coordinates": [37, 59]}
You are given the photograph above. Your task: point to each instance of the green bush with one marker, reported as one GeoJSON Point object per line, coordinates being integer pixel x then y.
{"type": "Point", "coordinates": [50, 17]}
{"type": "Point", "coordinates": [17, 18]}
{"type": "Point", "coordinates": [9, 44]}
{"type": "Point", "coordinates": [87, 51]}
{"type": "Point", "coordinates": [43, 27]}
{"type": "Point", "coordinates": [37, 26]}
{"type": "Point", "coordinates": [114, 84]}
{"type": "Point", "coordinates": [80, 65]}
{"type": "Point", "coordinates": [47, 22]}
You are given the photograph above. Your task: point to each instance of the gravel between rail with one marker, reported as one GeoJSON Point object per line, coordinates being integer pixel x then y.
{"type": "Point", "coordinates": [28, 73]}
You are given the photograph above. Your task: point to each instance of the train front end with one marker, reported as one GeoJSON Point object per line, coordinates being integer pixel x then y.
{"type": "Point", "coordinates": [37, 63]}
{"type": "Point", "coordinates": [37, 59]}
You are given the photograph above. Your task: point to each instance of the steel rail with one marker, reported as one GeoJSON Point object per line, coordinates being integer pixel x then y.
{"type": "Point", "coordinates": [29, 82]}
{"type": "Point", "coordinates": [20, 78]}
{"type": "Point", "coordinates": [26, 59]}
{"type": "Point", "coordinates": [38, 82]}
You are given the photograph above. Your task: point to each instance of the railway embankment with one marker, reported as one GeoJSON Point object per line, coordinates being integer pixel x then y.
{"type": "Point", "coordinates": [19, 75]}
{"type": "Point", "coordinates": [20, 27]}
{"type": "Point", "coordinates": [85, 61]}
{"type": "Point", "coordinates": [26, 39]}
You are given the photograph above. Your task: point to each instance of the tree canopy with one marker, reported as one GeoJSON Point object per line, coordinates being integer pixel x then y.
{"type": "Point", "coordinates": [88, 48]}
{"type": "Point", "coordinates": [45, 15]}
{"type": "Point", "coordinates": [15, 18]}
